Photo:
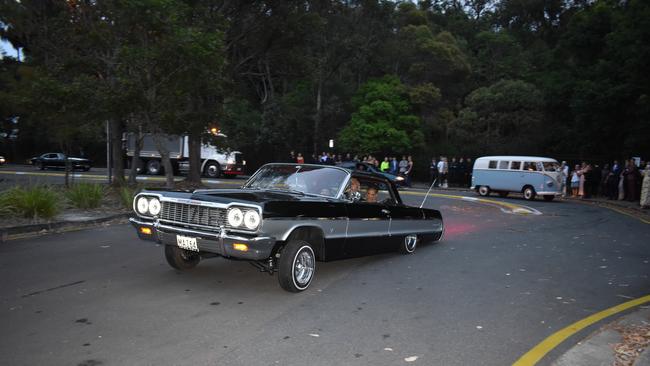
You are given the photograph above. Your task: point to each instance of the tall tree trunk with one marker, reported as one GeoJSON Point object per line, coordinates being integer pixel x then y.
{"type": "Point", "coordinates": [135, 161]}
{"type": "Point", "coordinates": [117, 129]}
{"type": "Point", "coordinates": [194, 146]}
{"type": "Point", "coordinates": [164, 156]}
{"type": "Point", "coordinates": [319, 114]}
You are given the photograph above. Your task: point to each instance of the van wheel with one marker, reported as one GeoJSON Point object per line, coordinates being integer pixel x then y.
{"type": "Point", "coordinates": [484, 191]}
{"type": "Point", "coordinates": [154, 167]}
{"type": "Point", "coordinates": [529, 193]}
{"type": "Point", "coordinates": [212, 169]}
{"type": "Point", "coordinates": [181, 259]}
{"type": "Point", "coordinates": [548, 197]}
{"type": "Point", "coordinates": [503, 194]}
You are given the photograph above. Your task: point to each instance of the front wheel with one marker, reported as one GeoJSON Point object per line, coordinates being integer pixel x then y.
{"type": "Point", "coordinates": [180, 258]}
{"type": "Point", "coordinates": [41, 166]}
{"type": "Point", "coordinates": [154, 167]}
{"type": "Point", "coordinates": [484, 191]}
{"type": "Point", "coordinates": [297, 266]}
{"type": "Point", "coordinates": [212, 170]}
{"type": "Point", "coordinates": [529, 193]}
{"type": "Point", "coordinates": [548, 198]}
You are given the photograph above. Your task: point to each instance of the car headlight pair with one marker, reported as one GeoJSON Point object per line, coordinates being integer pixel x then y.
{"type": "Point", "coordinates": [148, 206]}
{"type": "Point", "coordinates": [238, 217]}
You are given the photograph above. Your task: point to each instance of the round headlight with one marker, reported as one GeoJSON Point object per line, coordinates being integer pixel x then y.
{"type": "Point", "coordinates": [154, 206]}
{"type": "Point", "coordinates": [142, 205]}
{"type": "Point", "coordinates": [235, 217]}
{"type": "Point", "coordinates": [399, 178]}
{"type": "Point", "coordinates": [251, 220]}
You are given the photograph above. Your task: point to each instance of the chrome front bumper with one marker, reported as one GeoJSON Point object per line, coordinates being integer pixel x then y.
{"type": "Point", "coordinates": [219, 243]}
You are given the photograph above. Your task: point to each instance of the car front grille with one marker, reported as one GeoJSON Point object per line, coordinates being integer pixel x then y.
{"type": "Point", "coordinates": [193, 214]}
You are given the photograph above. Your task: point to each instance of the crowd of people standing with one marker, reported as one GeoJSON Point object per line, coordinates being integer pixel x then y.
{"type": "Point", "coordinates": [617, 181]}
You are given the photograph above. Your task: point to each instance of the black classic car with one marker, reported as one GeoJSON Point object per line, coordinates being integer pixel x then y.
{"type": "Point", "coordinates": [284, 219]}
{"type": "Point", "coordinates": [58, 160]}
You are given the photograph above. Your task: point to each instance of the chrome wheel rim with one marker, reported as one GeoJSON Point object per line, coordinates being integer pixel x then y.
{"type": "Point", "coordinates": [303, 267]}
{"type": "Point", "coordinates": [410, 242]}
{"type": "Point", "coordinates": [212, 171]}
{"type": "Point", "coordinates": [528, 193]}
{"type": "Point", "coordinates": [483, 191]}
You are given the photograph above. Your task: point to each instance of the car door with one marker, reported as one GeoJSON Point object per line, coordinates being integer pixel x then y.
{"type": "Point", "coordinates": [367, 231]}
{"type": "Point", "coordinates": [48, 160]}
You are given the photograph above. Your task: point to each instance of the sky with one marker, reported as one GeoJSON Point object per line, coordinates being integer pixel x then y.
{"type": "Point", "coordinates": [7, 48]}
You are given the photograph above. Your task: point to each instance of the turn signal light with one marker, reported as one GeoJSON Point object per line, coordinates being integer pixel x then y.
{"type": "Point", "coordinates": [146, 230]}
{"type": "Point", "coordinates": [241, 247]}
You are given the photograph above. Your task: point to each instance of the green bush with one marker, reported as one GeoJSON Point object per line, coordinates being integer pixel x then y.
{"type": "Point", "coordinates": [126, 196]}
{"type": "Point", "coordinates": [85, 195]}
{"type": "Point", "coordinates": [32, 202]}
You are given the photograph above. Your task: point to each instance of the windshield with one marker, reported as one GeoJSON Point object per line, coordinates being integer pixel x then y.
{"type": "Point", "coordinates": [324, 181]}
{"type": "Point", "coordinates": [551, 167]}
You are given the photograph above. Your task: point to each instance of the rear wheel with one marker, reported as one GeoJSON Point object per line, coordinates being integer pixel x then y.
{"type": "Point", "coordinates": [409, 244]}
{"type": "Point", "coordinates": [548, 197]}
{"type": "Point", "coordinates": [154, 167]}
{"type": "Point", "coordinates": [297, 265]}
{"type": "Point", "coordinates": [484, 191]}
{"type": "Point", "coordinates": [180, 258]}
{"type": "Point", "coordinates": [529, 193]}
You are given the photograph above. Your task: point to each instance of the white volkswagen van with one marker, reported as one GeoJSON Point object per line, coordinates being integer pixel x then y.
{"type": "Point", "coordinates": [529, 175]}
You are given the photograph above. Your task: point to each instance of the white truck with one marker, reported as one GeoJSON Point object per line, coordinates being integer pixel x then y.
{"type": "Point", "coordinates": [215, 162]}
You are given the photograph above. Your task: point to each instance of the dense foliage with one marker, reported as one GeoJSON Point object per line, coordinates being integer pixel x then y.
{"type": "Point", "coordinates": [465, 77]}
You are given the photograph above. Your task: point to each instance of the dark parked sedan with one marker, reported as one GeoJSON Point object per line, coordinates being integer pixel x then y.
{"type": "Point", "coordinates": [58, 160]}
{"type": "Point", "coordinates": [398, 180]}
{"type": "Point", "coordinates": [284, 219]}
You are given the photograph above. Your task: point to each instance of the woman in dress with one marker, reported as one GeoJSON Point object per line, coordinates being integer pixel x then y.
{"type": "Point", "coordinates": [575, 181]}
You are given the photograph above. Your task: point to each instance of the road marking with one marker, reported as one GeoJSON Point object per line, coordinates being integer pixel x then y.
{"type": "Point", "coordinates": [506, 207]}
{"type": "Point", "coordinates": [625, 213]}
{"type": "Point", "coordinates": [539, 351]}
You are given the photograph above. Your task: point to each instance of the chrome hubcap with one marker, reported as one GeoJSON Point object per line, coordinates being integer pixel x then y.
{"type": "Point", "coordinates": [410, 241]}
{"type": "Point", "coordinates": [304, 267]}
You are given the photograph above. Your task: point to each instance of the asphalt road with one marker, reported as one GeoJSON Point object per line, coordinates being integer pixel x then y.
{"type": "Point", "coordinates": [497, 285]}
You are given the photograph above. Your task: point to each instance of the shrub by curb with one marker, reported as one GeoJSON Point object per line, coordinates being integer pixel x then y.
{"type": "Point", "coordinates": [6, 234]}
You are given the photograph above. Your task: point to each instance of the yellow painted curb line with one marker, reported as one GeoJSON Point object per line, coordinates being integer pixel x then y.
{"type": "Point", "coordinates": [538, 352]}
{"type": "Point", "coordinates": [513, 208]}
{"type": "Point", "coordinates": [626, 213]}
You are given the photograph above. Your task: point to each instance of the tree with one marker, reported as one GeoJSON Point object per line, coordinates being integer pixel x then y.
{"type": "Point", "coordinates": [382, 122]}
{"type": "Point", "coordinates": [504, 118]}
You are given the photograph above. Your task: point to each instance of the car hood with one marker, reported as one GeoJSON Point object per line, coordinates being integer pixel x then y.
{"type": "Point", "coordinates": [251, 196]}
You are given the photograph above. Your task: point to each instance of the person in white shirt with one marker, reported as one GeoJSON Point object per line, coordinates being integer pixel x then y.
{"type": "Point", "coordinates": [443, 169]}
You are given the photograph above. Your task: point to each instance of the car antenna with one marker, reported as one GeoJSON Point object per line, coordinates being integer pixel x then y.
{"type": "Point", "coordinates": [427, 195]}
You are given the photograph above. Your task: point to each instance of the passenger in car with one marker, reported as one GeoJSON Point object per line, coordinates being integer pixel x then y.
{"type": "Point", "coordinates": [371, 195]}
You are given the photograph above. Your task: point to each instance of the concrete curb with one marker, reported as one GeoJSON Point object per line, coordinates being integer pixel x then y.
{"type": "Point", "coordinates": [597, 348]}
{"type": "Point", "coordinates": [15, 232]}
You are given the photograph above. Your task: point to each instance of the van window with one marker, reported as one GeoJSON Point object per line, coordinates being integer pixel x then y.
{"type": "Point", "coordinates": [493, 164]}
{"type": "Point", "coordinates": [503, 164]}
{"type": "Point", "coordinates": [516, 165]}
{"type": "Point", "coordinates": [529, 165]}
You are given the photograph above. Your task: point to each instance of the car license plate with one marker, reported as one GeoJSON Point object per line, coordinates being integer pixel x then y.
{"type": "Point", "coordinates": [185, 242]}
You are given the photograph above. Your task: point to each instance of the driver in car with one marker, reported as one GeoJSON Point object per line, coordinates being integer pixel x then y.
{"type": "Point", "coordinates": [352, 193]}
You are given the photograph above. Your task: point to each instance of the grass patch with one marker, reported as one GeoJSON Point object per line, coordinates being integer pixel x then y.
{"type": "Point", "coordinates": [85, 195]}
{"type": "Point", "coordinates": [33, 202]}
{"type": "Point", "coordinates": [126, 196]}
